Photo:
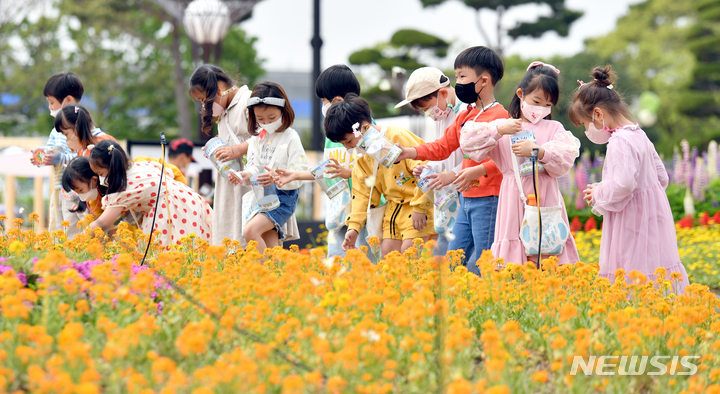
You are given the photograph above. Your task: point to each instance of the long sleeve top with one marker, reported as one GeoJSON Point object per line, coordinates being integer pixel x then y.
{"type": "Point", "coordinates": [277, 150]}
{"type": "Point", "coordinates": [480, 141]}
{"type": "Point", "coordinates": [396, 183]}
{"type": "Point", "coordinates": [57, 138]}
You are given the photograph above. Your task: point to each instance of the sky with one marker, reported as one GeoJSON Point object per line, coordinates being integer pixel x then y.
{"type": "Point", "coordinates": [284, 28]}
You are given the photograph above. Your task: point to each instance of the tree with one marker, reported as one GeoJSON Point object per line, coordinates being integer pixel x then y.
{"type": "Point", "coordinates": [559, 20]}
{"type": "Point", "coordinates": [702, 99]}
{"type": "Point", "coordinates": [407, 50]}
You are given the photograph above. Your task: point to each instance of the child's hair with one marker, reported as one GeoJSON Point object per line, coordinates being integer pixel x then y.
{"type": "Point", "coordinates": [598, 93]}
{"type": "Point", "coordinates": [110, 155]}
{"type": "Point", "coordinates": [64, 84]}
{"type": "Point", "coordinates": [78, 118]}
{"type": "Point", "coordinates": [205, 80]}
{"type": "Point", "coordinates": [336, 81]}
{"type": "Point", "coordinates": [78, 170]}
{"type": "Point", "coordinates": [538, 77]}
{"type": "Point", "coordinates": [270, 89]}
{"type": "Point", "coordinates": [342, 115]}
{"type": "Point", "coordinates": [482, 59]}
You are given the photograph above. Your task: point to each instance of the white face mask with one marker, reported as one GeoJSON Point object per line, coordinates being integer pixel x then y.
{"type": "Point", "coordinates": [325, 109]}
{"type": "Point", "coordinates": [272, 127]}
{"type": "Point", "coordinates": [54, 112]}
{"type": "Point", "coordinates": [598, 136]}
{"type": "Point", "coordinates": [89, 196]}
{"type": "Point", "coordinates": [534, 113]}
{"type": "Point", "coordinates": [102, 180]}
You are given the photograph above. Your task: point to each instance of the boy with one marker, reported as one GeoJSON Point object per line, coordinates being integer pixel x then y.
{"type": "Point", "coordinates": [477, 69]}
{"type": "Point", "coordinates": [180, 154]}
{"type": "Point", "coordinates": [428, 90]}
{"type": "Point", "coordinates": [331, 86]}
{"type": "Point", "coordinates": [63, 88]}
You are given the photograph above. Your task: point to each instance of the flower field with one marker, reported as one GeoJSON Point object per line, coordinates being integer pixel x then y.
{"type": "Point", "coordinates": [82, 316]}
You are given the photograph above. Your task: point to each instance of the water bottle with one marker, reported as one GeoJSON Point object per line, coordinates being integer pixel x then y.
{"type": "Point", "coordinates": [331, 186]}
{"type": "Point", "coordinates": [223, 168]}
{"type": "Point", "coordinates": [379, 147]}
{"type": "Point", "coordinates": [266, 196]}
{"type": "Point", "coordinates": [525, 165]}
{"type": "Point", "coordinates": [40, 154]}
{"type": "Point", "coordinates": [441, 197]}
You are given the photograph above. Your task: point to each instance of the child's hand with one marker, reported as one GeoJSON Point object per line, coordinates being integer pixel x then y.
{"type": "Point", "coordinates": [33, 161]}
{"type": "Point", "coordinates": [407, 153]}
{"type": "Point", "coordinates": [417, 171]}
{"type": "Point", "coordinates": [284, 177]}
{"type": "Point", "coordinates": [245, 175]}
{"type": "Point", "coordinates": [227, 153]}
{"type": "Point", "coordinates": [267, 179]}
{"type": "Point", "coordinates": [441, 180]}
{"type": "Point", "coordinates": [512, 126]}
{"type": "Point", "coordinates": [49, 158]}
{"type": "Point", "coordinates": [525, 148]}
{"type": "Point", "coordinates": [337, 170]}
{"type": "Point", "coordinates": [350, 238]}
{"type": "Point", "coordinates": [419, 221]}
{"type": "Point", "coordinates": [588, 197]}
{"type": "Point", "coordinates": [467, 176]}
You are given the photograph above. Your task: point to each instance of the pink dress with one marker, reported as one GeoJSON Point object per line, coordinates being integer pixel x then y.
{"type": "Point", "coordinates": [188, 210]}
{"type": "Point", "coordinates": [480, 141]}
{"type": "Point", "coordinates": [638, 227]}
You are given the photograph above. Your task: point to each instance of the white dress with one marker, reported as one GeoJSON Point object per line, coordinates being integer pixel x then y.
{"type": "Point", "coordinates": [227, 205]}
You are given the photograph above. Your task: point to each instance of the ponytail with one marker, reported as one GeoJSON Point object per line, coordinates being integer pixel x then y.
{"type": "Point", "coordinates": [110, 155]}
{"type": "Point", "coordinates": [78, 118]}
{"type": "Point", "coordinates": [205, 80]}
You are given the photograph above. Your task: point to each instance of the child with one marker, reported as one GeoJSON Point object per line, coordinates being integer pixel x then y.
{"type": "Point", "coordinates": [408, 214]}
{"type": "Point", "coordinates": [428, 91]}
{"type": "Point", "coordinates": [223, 101]}
{"type": "Point", "coordinates": [274, 145]}
{"type": "Point", "coordinates": [78, 177]}
{"type": "Point", "coordinates": [75, 123]}
{"type": "Point", "coordinates": [478, 70]}
{"type": "Point", "coordinates": [61, 89]}
{"type": "Point", "coordinates": [558, 148]}
{"type": "Point", "coordinates": [133, 187]}
{"type": "Point", "coordinates": [638, 228]}
{"type": "Point", "coordinates": [331, 86]}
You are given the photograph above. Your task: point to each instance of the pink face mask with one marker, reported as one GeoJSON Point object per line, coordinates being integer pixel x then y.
{"type": "Point", "coordinates": [598, 136]}
{"type": "Point", "coordinates": [534, 113]}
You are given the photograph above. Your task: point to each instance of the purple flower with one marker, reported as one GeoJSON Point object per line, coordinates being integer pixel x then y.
{"type": "Point", "coordinates": [22, 278]}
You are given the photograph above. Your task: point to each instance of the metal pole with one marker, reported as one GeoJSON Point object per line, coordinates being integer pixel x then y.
{"type": "Point", "coordinates": [318, 138]}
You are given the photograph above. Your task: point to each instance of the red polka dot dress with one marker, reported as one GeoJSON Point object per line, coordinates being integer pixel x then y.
{"type": "Point", "coordinates": [180, 212]}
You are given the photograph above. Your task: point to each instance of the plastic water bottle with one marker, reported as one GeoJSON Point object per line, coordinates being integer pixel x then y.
{"type": "Point", "coordinates": [223, 167]}
{"type": "Point", "coordinates": [441, 197]}
{"type": "Point", "coordinates": [40, 154]}
{"type": "Point", "coordinates": [331, 186]}
{"type": "Point", "coordinates": [379, 147]}
{"type": "Point", "coordinates": [266, 196]}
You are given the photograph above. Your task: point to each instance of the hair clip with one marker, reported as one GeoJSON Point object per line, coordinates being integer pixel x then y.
{"type": "Point", "coordinates": [539, 63]}
{"type": "Point", "coordinates": [355, 129]}
{"type": "Point", "coordinates": [611, 87]}
{"type": "Point", "coordinates": [580, 83]}
{"type": "Point", "coordinates": [110, 149]}
{"type": "Point", "coordinates": [77, 109]}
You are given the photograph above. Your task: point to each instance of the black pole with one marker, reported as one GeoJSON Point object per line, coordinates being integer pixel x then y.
{"type": "Point", "coordinates": [318, 138]}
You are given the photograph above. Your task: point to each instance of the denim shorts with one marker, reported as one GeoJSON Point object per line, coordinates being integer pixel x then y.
{"type": "Point", "coordinates": [280, 215]}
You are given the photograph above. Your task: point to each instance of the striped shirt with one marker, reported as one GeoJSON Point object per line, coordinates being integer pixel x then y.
{"type": "Point", "coordinates": [58, 139]}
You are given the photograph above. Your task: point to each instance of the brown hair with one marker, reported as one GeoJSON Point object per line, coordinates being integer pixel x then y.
{"type": "Point", "coordinates": [270, 89]}
{"type": "Point", "coordinates": [415, 103]}
{"type": "Point", "coordinates": [205, 80]}
{"type": "Point", "coordinates": [598, 93]}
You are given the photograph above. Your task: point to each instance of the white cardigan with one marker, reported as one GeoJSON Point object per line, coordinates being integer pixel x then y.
{"type": "Point", "coordinates": [281, 150]}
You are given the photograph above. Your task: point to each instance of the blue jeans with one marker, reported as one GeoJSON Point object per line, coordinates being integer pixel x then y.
{"type": "Point", "coordinates": [474, 228]}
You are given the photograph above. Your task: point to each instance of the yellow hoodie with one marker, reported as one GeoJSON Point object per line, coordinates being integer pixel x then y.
{"type": "Point", "coordinates": [396, 183]}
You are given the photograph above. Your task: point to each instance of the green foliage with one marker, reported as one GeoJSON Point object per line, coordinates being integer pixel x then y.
{"type": "Point", "coordinates": [703, 97]}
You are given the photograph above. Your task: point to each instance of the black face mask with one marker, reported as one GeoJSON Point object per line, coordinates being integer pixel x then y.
{"type": "Point", "coordinates": [466, 92]}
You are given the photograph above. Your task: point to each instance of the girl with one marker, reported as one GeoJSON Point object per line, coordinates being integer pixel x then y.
{"type": "Point", "coordinates": [638, 221]}
{"type": "Point", "coordinates": [78, 177]}
{"type": "Point", "coordinates": [408, 214]}
{"type": "Point", "coordinates": [75, 123]}
{"type": "Point", "coordinates": [274, 145]}
{"type": "Point", "coordinates": [530, 110]}
{"type": "Point", "coordinates": [133, 187]}
{"type": "Point", "coordinates": [225, 102]}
